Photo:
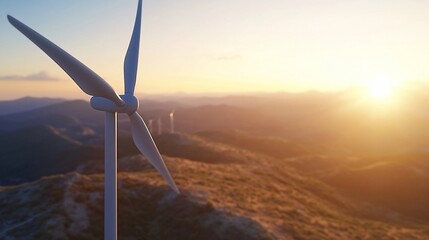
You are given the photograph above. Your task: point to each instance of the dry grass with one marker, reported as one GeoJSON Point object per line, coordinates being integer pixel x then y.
{"type": "Point", "coordinates": [255, 198]}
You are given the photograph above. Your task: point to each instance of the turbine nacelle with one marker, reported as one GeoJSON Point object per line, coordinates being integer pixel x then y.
{"type": "Point", "coordinates": [131, 104]}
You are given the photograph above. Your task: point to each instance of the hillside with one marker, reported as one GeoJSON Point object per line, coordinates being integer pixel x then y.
{"type": "Point", "coordinates": [272, 146]}
{"type": "Point", "coordinates": [261, 199]}
{"type": "Point", "coordinates": [333, 120]}
{"type": "Point", "coordinates": [39, 151]}
{"type": "Point", "coordinates": [399, 182]}
{"type": "Point", "coordinates": [258, 168]}
{"type": "Point", "coordinates": [64, 114]}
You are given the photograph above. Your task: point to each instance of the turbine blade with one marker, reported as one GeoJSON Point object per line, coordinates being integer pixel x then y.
{"type": "Point", "coordinates": [146, 145]}
{"type": "Point", "coordinates": [132, 57]}
{"type": "Point", "coordinates": [85, 78]}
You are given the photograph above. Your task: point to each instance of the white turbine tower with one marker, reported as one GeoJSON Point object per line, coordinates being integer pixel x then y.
{"type": "Point", "coordinates": [172, 122]}
{"type": "Point", "coordinates": [151, 126]}
{"type": "Point", "coordinates": [159, 125]}
{"type": "Point", "coordinates": [104, 98]}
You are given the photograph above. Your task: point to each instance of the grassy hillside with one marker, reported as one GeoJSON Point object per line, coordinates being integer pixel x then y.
{"type": "Point", "coordinates": [271, 146]}
{"type": "Point", "coordinates": [399, 182]}
{"type": "Point", "coordinates": [259, 198]}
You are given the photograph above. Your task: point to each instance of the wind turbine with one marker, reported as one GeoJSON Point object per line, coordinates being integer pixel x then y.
{"type": "Point", "coordinates": [159, 125]}
{"type": "Point", "coordinates": [151, 125]}
{"type": "Point", "coordinates": [104, 98]}
{"type": "Point", "coordinates": [172, 122]}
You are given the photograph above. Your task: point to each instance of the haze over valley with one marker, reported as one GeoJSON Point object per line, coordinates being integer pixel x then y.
{"type": "Point", "coordinates": [261, 166]}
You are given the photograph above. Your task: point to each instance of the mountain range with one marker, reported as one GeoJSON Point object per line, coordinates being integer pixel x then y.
{"type": "Point", "coordinates": [256, 167]}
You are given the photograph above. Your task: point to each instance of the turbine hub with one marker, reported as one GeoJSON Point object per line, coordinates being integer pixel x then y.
{"type": "Point", "coordinates": [106, 105]}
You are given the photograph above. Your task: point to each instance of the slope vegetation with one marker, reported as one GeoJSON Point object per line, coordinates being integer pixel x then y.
{"type": "Point", "coordinates": [256, 198]}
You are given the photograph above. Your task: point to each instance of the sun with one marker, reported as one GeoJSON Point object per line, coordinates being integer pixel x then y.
{"type": "Point", "coordinates": [380, 89]}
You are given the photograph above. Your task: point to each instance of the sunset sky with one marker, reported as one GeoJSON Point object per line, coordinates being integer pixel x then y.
{"type": "Point", "coordinates": [197, 46]}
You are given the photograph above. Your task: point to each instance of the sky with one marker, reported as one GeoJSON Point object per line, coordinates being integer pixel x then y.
{"type": "Point", "coordinates": [230, 46]}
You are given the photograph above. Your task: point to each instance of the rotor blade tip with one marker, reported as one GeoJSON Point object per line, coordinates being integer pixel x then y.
{"type": "Point", "coordinates": [10, 18]}
{"type": "Point", "coordinates": [176, 190]}
{"type": "Point", "coordinates": [13, 21]}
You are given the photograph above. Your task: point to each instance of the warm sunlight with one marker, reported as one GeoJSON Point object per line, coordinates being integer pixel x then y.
{"type": "Point", "coordinates": [380, 88]}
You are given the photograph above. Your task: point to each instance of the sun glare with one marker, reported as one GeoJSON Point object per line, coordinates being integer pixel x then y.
{"type": "Point", "coordinates": [380, 89]}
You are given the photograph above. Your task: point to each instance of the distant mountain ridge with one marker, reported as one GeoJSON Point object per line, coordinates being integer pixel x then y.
{"type": "Point", "coordinates": [26, 104]}
{"type": "Point", "coordinates": [60, 115]}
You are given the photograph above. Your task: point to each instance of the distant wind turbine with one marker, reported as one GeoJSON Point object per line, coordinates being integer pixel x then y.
{"type": "Point", "coordinates": [104, 98]}
{"type": "Point", "coordinates": [159, 124]}
{"type": "Point", "coordinates": [151, 125]}
{"type": "Point", "coordinates": [172, 122]}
